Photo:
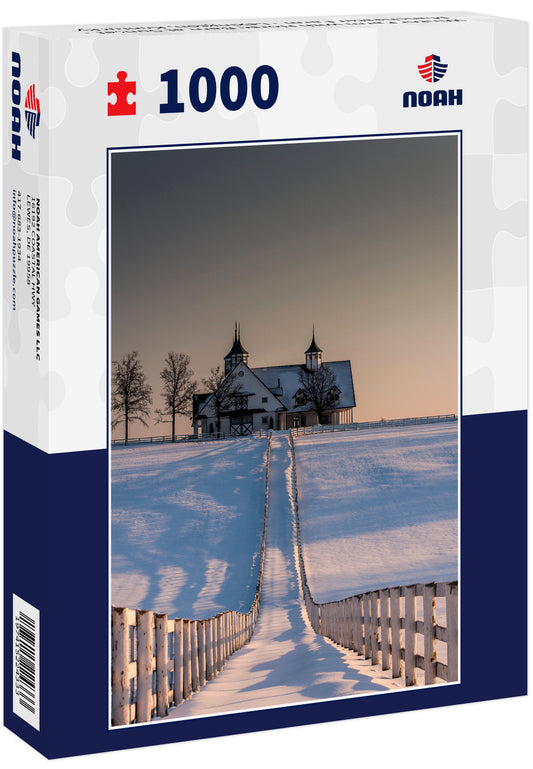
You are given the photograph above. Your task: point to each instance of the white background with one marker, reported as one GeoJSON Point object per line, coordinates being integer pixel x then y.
{"type": "Point", "coordinates": [488, 734]}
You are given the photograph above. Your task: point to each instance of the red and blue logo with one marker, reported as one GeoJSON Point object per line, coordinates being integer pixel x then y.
{"type": "Point", "coordinates": [32, 110]}
{"type": "Point", "coordinates": [432, 69]}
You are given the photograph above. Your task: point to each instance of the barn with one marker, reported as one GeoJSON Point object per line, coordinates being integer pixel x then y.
{"type": "Point", "coordinates": [275, 397]}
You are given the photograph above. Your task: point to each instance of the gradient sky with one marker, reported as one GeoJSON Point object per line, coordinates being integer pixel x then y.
{"type": "Point", "coordinates": [358, 237]}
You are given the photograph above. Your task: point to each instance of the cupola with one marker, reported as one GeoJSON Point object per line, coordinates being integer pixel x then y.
{"type": "Point", "coordinates": [313, 355]}
{"type": "Point", "coordinates": [237, 354]}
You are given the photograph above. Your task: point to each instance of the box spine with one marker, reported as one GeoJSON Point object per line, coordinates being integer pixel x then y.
{"type": "Point", "coordinates": [26, 232]}
{"type": "Point", "coordinates": [25, 384]}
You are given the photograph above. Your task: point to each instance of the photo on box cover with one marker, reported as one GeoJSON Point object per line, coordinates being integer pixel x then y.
{"type": "Point", "coordinates": [284, 408]}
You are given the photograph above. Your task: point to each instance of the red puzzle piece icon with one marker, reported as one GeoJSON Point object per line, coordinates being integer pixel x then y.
{"type": "Point", "coordinates": [121, 88]}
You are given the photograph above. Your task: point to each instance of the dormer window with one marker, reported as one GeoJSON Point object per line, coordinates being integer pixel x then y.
{"type": "Point", "coordinates": [334, 395]}
{"type": "Point", "coordinates": [300, 398]}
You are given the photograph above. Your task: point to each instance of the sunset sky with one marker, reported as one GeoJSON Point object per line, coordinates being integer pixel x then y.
{"type": "Point", "coordinates": [358, 237]}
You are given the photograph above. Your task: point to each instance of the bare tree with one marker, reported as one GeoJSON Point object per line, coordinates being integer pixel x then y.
{"type": "Point", "coordinates": [317, 386]}
{"type": "Point", "coordinates": [222, 389]}
{"type": "Point", "coordinates": [131, 396]}
{"type": "Point", "coordinates": [178, 389]}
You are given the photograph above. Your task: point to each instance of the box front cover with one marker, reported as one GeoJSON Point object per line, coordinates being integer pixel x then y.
{"type": "Point", "coordinates": [286, 280]}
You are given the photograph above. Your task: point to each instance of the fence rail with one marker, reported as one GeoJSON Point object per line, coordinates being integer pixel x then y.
{"type": "Point", "coordinates": [188, 438]}
{"type": "Point", "coordinates": [389, 626]}
{"type": "Point", "coordinates": [429, 420]}
{"type": "Point", "coordinates": [158, 662]}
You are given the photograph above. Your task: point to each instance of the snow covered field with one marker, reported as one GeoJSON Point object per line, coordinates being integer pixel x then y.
{"type": "Point", "coordinates": [378, 508]}
{"type": "Point", "coordinates": [187, 523]}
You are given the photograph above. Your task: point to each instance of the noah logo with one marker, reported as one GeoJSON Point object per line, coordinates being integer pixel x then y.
{"type": "Point", "coordinates": [433, 70]}
{"type": "Point", "coordinates": [15, 105]}
{"type": "Point", "coordinates": [32, 110]}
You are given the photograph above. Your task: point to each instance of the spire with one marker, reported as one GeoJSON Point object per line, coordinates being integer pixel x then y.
{"type": "Point", "coordinates": [237, 354]}
{"type": "Point", "coordinates": [313, 347]}
{"type": "Point", "coordinates": [313, 355]}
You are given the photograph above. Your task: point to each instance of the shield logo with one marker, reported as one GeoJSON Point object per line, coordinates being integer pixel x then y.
{"type": "Point", "coordinates": [32, 110]}
{"type": "Point", "coordinates": [432, 69]}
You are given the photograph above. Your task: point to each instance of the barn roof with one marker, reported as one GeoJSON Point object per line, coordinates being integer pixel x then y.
{"type": "Point", "coordinates": [289, 383]}
{"type": "Point", "coordinates": [206, 397]}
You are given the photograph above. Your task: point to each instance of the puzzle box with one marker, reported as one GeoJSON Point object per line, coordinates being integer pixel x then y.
{"type": "Point", "coordinates": [265, 357]}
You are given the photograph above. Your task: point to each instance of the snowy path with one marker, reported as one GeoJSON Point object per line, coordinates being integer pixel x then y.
{"type": "Point", "coordinates": [285, 662]}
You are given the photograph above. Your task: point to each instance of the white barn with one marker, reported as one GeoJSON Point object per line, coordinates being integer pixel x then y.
{"type": "Point", "coordinates": [271, 398]}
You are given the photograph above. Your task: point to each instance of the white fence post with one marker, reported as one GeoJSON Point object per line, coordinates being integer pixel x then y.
{"type": "Point", "coordinates": [374, 627]}
{"type": "Point", "coordinates": [430, 640]}
{"type": "Point", "coordinates": [187, 688]}
{"type": "Point", "coordinates": [359, 648]}
{"type": "Point", "coordinates": [395, 625]}
{"type": "Point", "coordinates": [201, 653]}
{"type": "Point", "coordinates": [385, 627]}
{"type": "Point", "coordinates": [145, 659]}
{"type": "Point", "coordinates": [220, 643]}
{"type": "Point", "coordinates": [368, 633]}
{"type": "Point", "coordinates": [120, 704]}
{"type": "Point", "coordinates": [210, 666]}
{"type": "Point", "coordinates": [195, 676]}
{"type": "Point", "coordinates": [410, 635]}
{"type": "Point", "coordinates": [452, 632]}
{"type": "Point", "coordinates": [178, 661]}
{"type": "Point", "coordinates": [161, 658]}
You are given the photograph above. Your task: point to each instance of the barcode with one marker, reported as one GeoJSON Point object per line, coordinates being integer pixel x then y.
{"type": "Point", "coordinates": [26, 661]}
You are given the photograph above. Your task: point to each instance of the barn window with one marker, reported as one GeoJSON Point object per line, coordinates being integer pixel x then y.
{"type": "Point", "coordinates": [241, 402]}
{"type": "Point", "coordinates": [300, 399]}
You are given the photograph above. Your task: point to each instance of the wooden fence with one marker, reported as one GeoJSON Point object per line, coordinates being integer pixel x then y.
{"type": "Point", "coordinates": [404, 422]}
{"type": "Point", "coordinates": [188, 438]}
{"type": "Point", "coordinates": [395, 627]}
{"type": "Point", "coordinates": [158, 662]}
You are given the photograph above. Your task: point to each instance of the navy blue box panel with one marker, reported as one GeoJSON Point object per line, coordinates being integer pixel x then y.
{"type": "Point", "coordinates": [26, 557]}
{"type": "Point", "coordinates": [56, 540]}
{"type": "Point", "coordinates": [56, 543]}
{"type": "Point", "coordinates": [493, 549]}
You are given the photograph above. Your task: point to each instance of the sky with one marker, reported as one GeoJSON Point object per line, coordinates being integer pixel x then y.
{"type": "Point", "coordinates": [358, 237]}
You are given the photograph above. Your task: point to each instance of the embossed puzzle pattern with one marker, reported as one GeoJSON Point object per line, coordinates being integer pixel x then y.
{"type": "Point", "coordinates": [105, 90]}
